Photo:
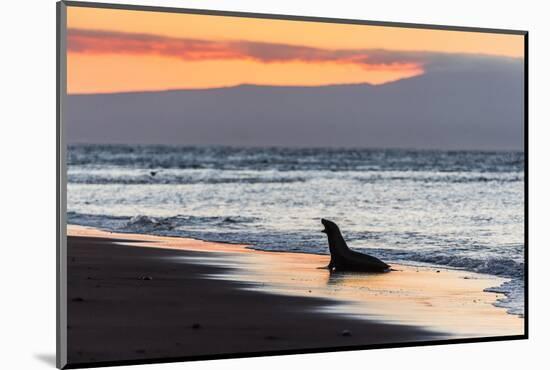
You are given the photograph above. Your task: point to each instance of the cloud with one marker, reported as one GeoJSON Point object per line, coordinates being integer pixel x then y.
{"type": "Point", "coordinates": [110, 42]}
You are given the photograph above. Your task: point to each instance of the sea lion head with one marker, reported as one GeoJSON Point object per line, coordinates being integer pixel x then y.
{"type": "Point", "coordinates": [330, 226]}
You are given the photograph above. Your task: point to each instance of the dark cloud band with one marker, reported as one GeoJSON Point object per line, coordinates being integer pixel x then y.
{"type": "Point", "coordinates": [110, 42]}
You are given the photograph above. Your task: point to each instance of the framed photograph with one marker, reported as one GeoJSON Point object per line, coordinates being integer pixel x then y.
{"type": "Point", "coordinates": [236, 185]}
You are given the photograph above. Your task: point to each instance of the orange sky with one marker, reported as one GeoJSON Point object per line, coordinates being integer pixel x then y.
{"type": "Point", "coordinates": [121, 50]}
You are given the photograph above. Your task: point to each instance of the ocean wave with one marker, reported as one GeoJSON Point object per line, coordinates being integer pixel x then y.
{"type": "Point", "coordinates": [290, 159]}
{"type": "Point", "coordinates": [504, 267]}
{"type": "Point", "coordinates": [140, 223]}
{"type": "Point", "coordinates": [447, 178]}
{"type": "Point", "coordinates": [513, 300]}
{"type": "Point", "coordinates": [147, 179]}
{"type": "Point", "coordinates": [82, 175]}
{"type": "Point", "coordinates": [146, 224]}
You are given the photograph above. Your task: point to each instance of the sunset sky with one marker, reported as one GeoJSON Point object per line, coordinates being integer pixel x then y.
{"type": "Point", "coordinates": [122, 50]}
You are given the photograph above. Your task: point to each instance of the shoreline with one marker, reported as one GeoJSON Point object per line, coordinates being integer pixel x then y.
{"type": "Point", "coordinates": [405, 297]}
{"type": "Point", "coordinates": [503, 296]}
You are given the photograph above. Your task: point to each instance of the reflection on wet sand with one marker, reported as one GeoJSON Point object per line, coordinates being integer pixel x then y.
{"type": "Point", "coordinates": [443, 300]}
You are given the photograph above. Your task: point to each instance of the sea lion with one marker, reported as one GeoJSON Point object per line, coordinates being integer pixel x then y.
{"type": "Point", "coordinates": [344, 259]}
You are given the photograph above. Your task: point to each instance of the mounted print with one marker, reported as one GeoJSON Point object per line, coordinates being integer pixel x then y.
{"type": "Point", "coordinates": [235, 185]}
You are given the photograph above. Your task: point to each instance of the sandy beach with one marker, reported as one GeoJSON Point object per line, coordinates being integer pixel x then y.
{"type": "Point", "coordinates": [136, 297]}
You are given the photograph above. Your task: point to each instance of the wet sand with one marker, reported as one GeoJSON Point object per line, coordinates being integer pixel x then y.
{"type": "Point", "coordinates": [136, 297]}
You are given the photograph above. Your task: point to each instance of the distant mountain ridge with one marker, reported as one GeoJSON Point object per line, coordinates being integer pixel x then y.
{"type": "Point", "coordinates": [477, 106]}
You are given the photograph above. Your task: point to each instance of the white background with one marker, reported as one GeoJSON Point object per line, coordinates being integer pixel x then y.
{"type": "Point", "coordinates": [27, 203]}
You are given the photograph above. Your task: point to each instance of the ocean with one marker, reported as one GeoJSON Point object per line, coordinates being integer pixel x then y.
{"type": "Point", "coordinates": [455, 209]}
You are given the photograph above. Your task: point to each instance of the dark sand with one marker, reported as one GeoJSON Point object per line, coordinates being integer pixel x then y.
{"type": "Point", "coordinates": [114, 314]}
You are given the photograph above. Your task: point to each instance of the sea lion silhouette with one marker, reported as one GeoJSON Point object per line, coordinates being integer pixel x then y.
{"type": "Point", "coordinates": [344, 259]}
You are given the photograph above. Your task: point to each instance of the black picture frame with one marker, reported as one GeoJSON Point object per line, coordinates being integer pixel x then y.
{"type": "Point", "coordinates": [61, 184]}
